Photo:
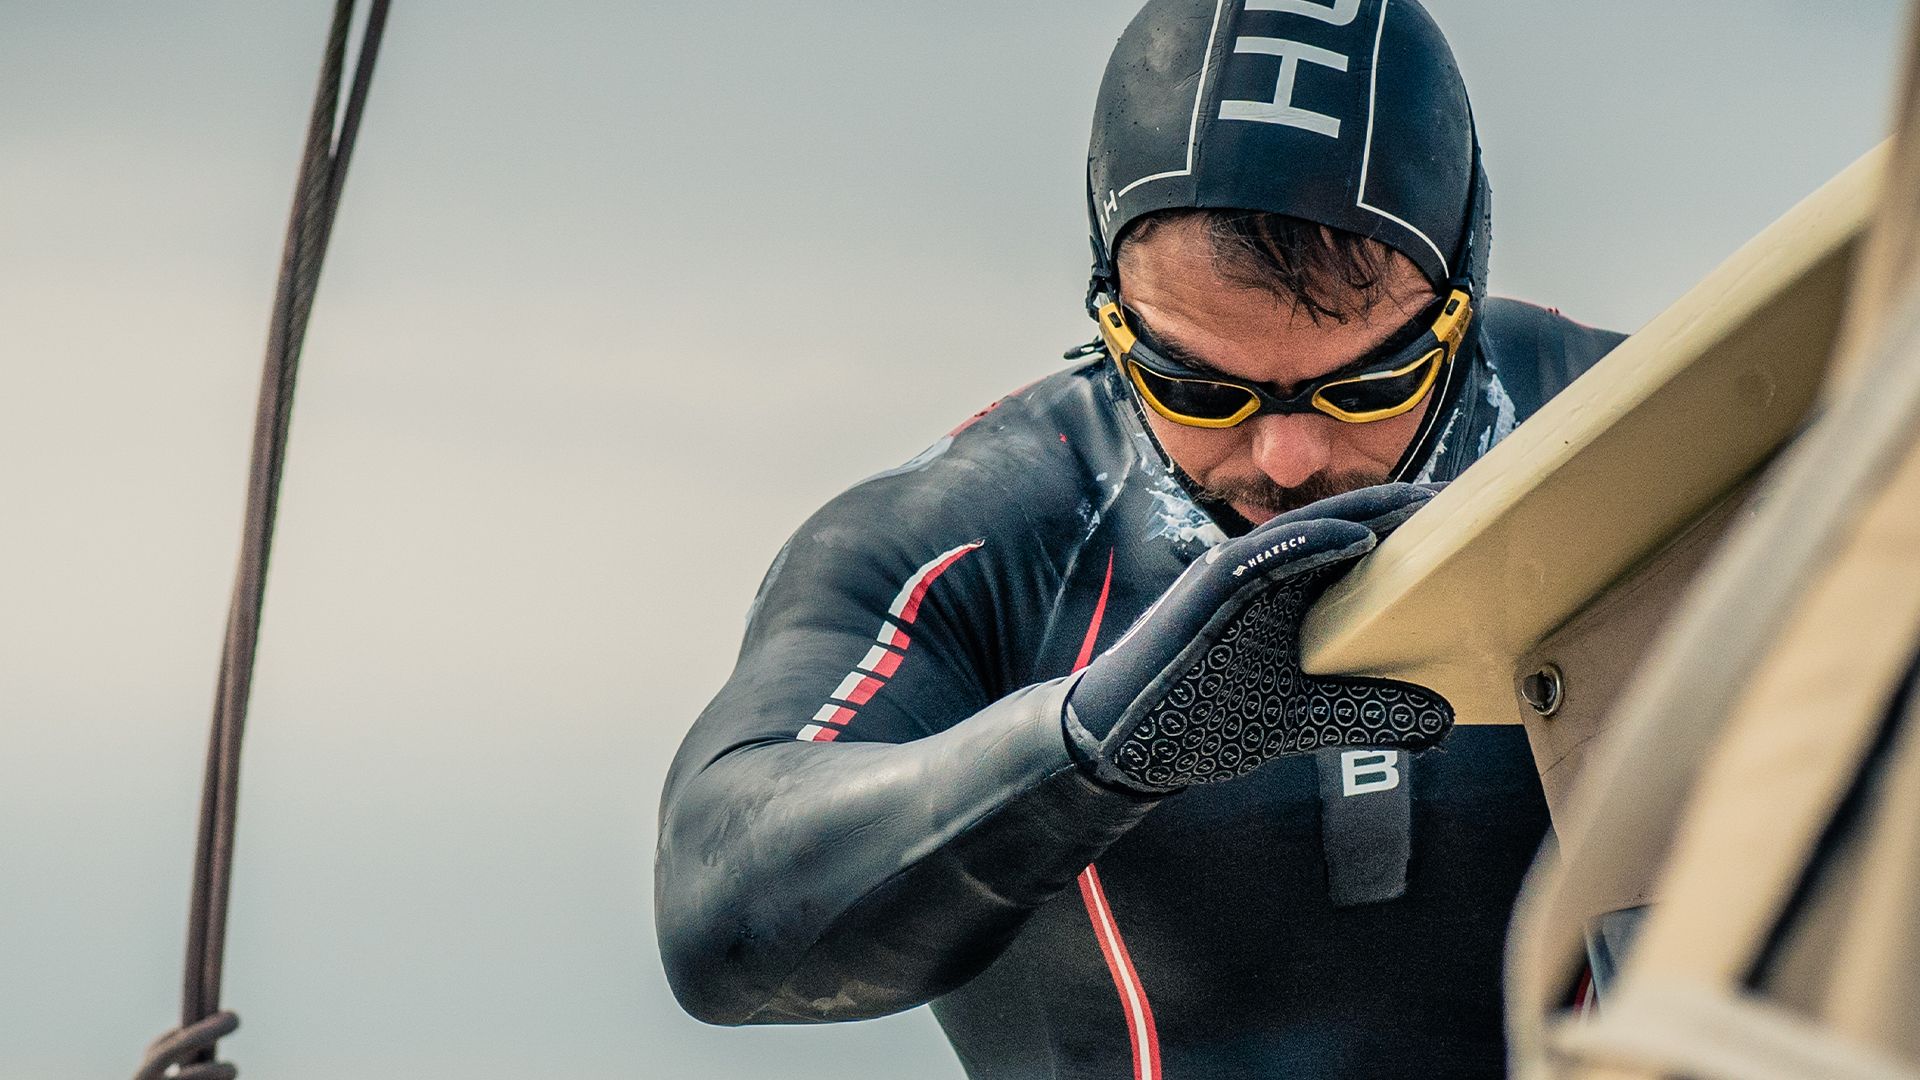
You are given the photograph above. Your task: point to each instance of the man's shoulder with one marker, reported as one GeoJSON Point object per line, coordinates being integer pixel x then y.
{"type": "Point", "coordinates": [1520, 323]}
{"type": "Point", "coordinates": [1016, 465]}
{"type": "Point", "coordinates": [1012, 477]}
{"type": "Point", "coordinates": [1537, 350]}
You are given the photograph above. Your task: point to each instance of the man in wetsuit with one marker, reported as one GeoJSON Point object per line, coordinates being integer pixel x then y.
{"type": "Point", "coordinates": [1018, 727]}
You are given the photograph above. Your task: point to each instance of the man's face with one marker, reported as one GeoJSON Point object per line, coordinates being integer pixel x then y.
{"type": "Point", "coordinates": [1268, 464]}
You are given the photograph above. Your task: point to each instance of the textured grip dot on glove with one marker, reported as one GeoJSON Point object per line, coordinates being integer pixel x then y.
{"type": "Point", "coordinates": [1245, 701]}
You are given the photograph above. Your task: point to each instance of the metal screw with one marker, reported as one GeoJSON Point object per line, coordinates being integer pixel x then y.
{"type": "Point", "coordinates": [1543, 690]}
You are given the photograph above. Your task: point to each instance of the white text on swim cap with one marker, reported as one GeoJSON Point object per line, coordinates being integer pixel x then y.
{"type": "Point", "coordinates": [1340, 14]}
{"type": "Point", "coordinates": [1281, 109]}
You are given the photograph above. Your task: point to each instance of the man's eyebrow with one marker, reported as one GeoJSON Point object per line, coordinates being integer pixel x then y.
{"type": "Point", "coordinates": [1175, 351]}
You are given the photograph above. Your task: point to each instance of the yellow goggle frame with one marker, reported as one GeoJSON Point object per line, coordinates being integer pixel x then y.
{"type": "Point", "coordinates": [1429, 353]}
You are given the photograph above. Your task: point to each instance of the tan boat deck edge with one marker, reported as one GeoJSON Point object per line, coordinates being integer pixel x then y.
{"type": "Point", "coordinates": [1608, 472]}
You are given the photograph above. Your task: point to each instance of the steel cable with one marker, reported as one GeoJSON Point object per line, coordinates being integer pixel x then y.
{"type": "Point", "coordinates": [188, 1052]}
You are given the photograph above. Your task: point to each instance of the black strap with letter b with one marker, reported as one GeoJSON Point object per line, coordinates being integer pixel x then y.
{"type": "Point", "coordinates": [1366, 823]}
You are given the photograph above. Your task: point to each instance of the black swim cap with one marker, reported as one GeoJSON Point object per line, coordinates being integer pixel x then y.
{"type": "Point", "coordinates": [1348, 113]}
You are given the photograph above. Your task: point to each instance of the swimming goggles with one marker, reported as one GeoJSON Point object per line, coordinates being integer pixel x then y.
{"type": "Point", "coordinates": [1379, 386]}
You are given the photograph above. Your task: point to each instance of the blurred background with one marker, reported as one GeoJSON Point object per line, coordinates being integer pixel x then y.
{"type": "Point", "coordinates": [619, 293]}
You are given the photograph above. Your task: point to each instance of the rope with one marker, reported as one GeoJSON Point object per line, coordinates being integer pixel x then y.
{"type": "Point", "coordinates": [187, 1052]}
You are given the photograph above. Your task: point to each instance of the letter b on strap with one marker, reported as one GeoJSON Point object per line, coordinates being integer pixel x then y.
{"type": "Point", "coordinates": [1366, 771]}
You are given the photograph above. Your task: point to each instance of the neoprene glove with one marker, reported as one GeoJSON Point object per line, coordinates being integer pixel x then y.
{"type": "Point", "coordinates": [1207, 685]}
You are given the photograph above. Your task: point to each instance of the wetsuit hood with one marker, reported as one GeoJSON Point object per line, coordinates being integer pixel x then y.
{"type": "Point", "coordinates": [1348, 113]}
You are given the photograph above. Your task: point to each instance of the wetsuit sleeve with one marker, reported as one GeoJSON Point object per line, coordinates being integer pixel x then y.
{"type": "Point", "coordinates": [862, 820]}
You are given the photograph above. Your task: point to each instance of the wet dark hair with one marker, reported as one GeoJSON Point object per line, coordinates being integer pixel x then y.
{"type": "Point", "coordinates": [1330, 273]}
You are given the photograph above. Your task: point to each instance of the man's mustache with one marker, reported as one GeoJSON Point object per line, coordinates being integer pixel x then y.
{"type": "Point", "coordinates": [1261, 493]}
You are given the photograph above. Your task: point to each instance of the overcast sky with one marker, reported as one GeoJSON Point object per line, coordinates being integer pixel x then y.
{"type": "Point", "coordinates": [620, 293]}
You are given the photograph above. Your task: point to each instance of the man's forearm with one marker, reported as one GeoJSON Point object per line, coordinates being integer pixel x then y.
{"type": "Point", "coordinates": [806, 882]}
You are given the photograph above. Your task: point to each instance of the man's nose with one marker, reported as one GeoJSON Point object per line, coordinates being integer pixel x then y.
{"type": "Point", "coordinates": [1292, 448]}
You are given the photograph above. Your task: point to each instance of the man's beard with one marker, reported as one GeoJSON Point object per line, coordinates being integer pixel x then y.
{"type": "Point", "coordinates": [1261, 494]}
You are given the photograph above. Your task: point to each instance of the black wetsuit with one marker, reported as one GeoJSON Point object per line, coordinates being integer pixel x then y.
{"type": "Point", "coordinates": [878, 809]}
